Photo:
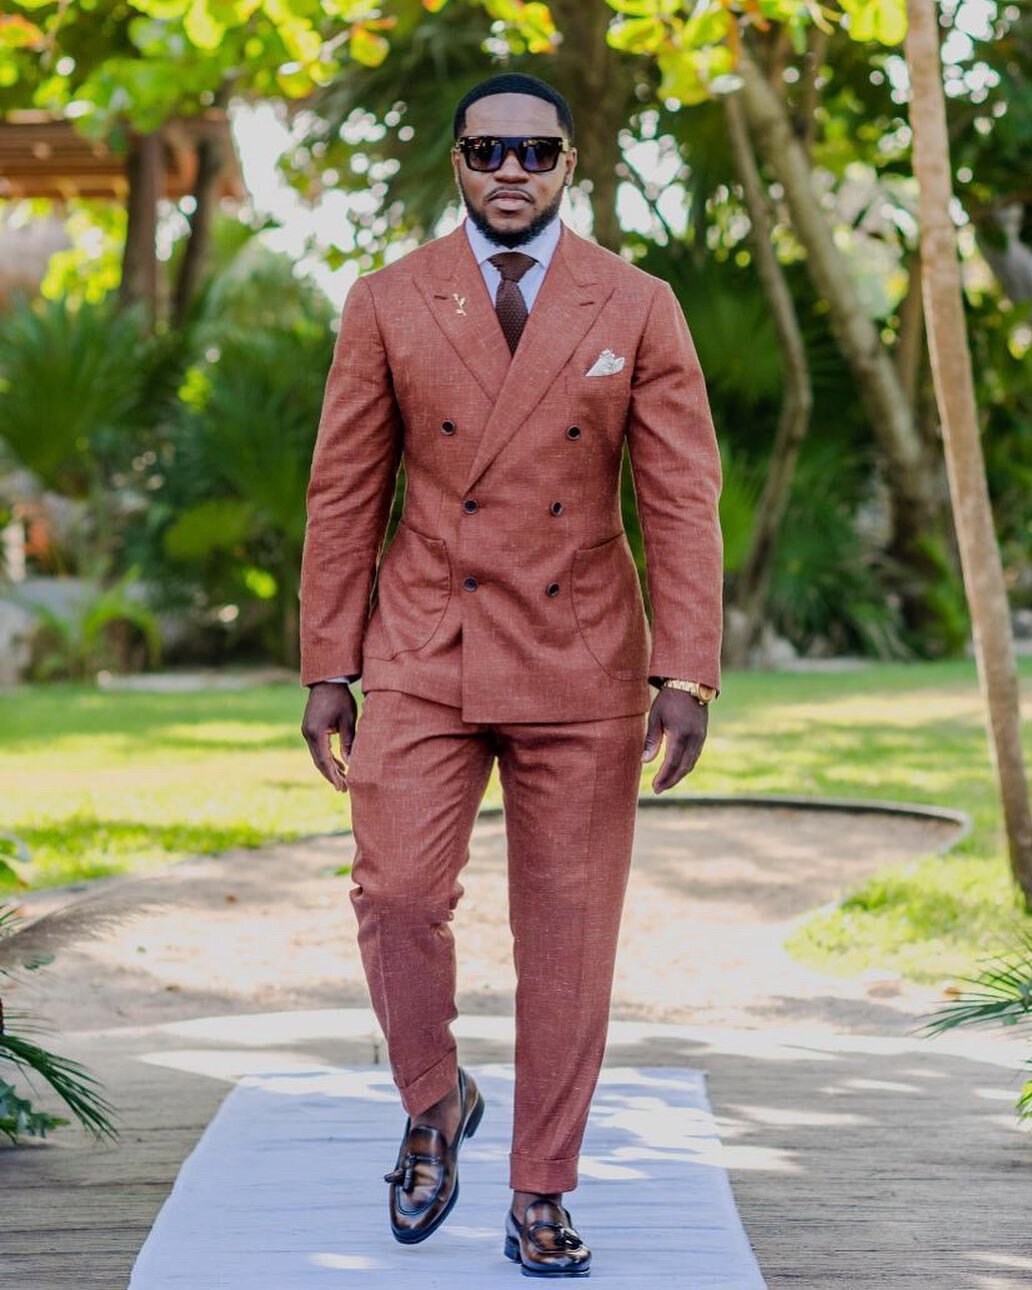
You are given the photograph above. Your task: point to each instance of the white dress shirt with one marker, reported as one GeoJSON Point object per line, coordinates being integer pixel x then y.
{"type": "Point", "coordinates": [541, 248]}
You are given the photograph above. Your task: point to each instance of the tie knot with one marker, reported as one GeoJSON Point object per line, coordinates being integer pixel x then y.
{"type": "Point", "coordinates": [512, 265]}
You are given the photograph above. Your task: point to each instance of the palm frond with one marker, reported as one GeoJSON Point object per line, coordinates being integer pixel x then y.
{"type": "Point", "coordinates": [70, 1080]}
{"type": "Point", "coordinates": [1001, 995]}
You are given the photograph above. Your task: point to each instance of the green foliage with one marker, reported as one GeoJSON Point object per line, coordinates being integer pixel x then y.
{"type": "Point", "coordinates": [78, 642]}
{"type": "Point", "coordinates": [226, 522]}
{"type": "Point", "coordinates": [151, 778]}
{"type": "Point", "coordinates": [73, 386]}
{"type": "Point", "coordinates": [14, 871]}
{"type": "Point", "coordinates": [739, 498]}
{"type": "Point", "coordinates": [71, 1081]}
{"type": "Point", "coordinates": [18, 1118]}
{"type": "Point", "coordinates": [829, 582]}
{"type": "Point", "coordinates": [1002, 996]}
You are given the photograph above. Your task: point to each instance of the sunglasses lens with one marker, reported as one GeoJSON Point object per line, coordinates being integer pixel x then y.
{"type": "Point", "coordinates": [487, 152]}
{"type": "Point", "coordinates": [540, 155]}
{"type": "Point", "coordinates": [483, 154]}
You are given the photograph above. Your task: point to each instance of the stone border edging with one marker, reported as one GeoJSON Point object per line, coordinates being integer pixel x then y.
{"type": "Point", "coordinates": [82, 892]}
{"type": "Point", "coordinates": [842, 805]}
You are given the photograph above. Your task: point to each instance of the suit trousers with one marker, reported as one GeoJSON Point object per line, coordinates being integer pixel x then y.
{"type": "Point", "coordinates": [417, 776]}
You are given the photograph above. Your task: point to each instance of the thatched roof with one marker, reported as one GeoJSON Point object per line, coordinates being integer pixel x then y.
{"type": "Point", "coordinates": [45, 156]}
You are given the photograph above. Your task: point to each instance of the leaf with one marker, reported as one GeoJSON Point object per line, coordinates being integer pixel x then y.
{"type": "Point", "coordinates": [637, 35]}
{"type": "Point", "coordinates": [162, 8]}
{"type": "Point", "coordinates": [368, 47]}
{"type": "Point", "coordinates": [217, 525]}
{"type": "Point", "coordinates": [201, 27]}
{"type": "Point", "coordinates": [645, 8]}
{"type": "Point", "coordinates": [709, 27]}
{"type": "Point", "coordinates": [17, 32]}
{"type": "Point", "coordinates": [294, 81]}
{"type": "Point", "coordinates": [681, 81]}
{"type": "Point", "coordinates": [882, 20]}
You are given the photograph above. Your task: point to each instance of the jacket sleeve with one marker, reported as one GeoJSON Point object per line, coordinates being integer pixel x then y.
{"type": "Point", "coordinates": [677, 479]}
{"type": "Point", "coordinates": [354, 470]}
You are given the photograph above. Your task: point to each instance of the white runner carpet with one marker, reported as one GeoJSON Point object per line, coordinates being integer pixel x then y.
{"type": "Point", "coordinates": [284, 1191]}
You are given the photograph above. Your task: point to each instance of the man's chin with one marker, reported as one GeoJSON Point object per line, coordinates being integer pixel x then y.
{"type": "Point", "coordinates": [512, 228]}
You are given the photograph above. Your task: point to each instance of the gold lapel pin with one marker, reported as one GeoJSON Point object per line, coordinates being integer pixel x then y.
{"type": "Point", "coordinates": [460, 302]}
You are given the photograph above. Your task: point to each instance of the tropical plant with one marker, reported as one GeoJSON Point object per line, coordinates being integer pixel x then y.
{"type": "Point", "coordinates": [83, 638]}
{"type": "Point", "coordinates": [230, 513]}
{"type": "Point", "coordinates": [1002, 996]}
{"type": "Point", "coordinates": [71, 385]}
{"type": "Point", "coordinates": [72, 1082]}
{"type": "Point", "coordinates": [81, 390]}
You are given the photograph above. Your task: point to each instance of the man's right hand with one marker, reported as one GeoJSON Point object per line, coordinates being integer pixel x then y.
{"type": "Point", "coordinates": [331, 709]}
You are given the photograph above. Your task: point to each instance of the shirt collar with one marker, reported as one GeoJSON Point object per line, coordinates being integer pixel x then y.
{"type": "Point", "coordinates": [541, 248]}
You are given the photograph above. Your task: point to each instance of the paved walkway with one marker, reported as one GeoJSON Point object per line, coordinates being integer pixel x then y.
{"type": "Point", "coordinates": [861, 1155]}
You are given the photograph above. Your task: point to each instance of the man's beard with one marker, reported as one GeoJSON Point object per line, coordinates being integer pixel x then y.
{"type": "Point", "coordinates": [518, 237]}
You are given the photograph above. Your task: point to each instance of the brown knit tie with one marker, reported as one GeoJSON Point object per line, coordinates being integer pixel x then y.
{"type": "Point", "coordinates": [510, 306]}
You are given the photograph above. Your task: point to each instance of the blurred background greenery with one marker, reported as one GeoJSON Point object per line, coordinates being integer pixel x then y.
{"type": "Point", "coordinates": [166, 326]}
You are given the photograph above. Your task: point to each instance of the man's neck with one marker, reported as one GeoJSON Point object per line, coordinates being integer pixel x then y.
{"type": "Point", "coordinates": [540, 246]}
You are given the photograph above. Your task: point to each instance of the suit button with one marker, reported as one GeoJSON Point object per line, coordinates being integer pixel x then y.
{"type": "Point", "coordinates": [573, 432]}
{"type": "Point", "coordinates": [552, 589]}
{"type": "Point", "coordinates": [471, 584]}
{"type": "Point", "coordinates": [469, 505]}
{"type": "Point", "coordinates": [556, 508]}
{"type": "Point", "coordinates": [448, 427]}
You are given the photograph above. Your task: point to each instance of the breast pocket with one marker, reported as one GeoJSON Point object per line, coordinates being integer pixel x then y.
{"type": "Point", "coordinates": [593, 390]}
{"type": "Point", "coordinates": [413, 586]}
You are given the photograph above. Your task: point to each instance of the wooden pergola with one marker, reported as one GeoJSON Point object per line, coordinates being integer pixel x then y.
{"type": "Point", "coordinates": [45, 156]}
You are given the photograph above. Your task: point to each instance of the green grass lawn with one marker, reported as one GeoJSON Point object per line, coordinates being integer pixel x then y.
{"type": "Point", "coordinates": [97, 783]}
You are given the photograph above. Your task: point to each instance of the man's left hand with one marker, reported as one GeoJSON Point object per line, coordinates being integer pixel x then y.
{"type": "Point", "coordinates": [684, 721]}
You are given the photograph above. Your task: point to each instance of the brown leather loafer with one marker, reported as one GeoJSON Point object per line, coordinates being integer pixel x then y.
{"type": "Point", "coordinates": [546, 1244]}
{"type": "Point", "coordinates": [425, 1180]}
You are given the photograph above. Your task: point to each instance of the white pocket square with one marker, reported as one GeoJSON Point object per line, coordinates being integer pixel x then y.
{"type": "Point", "coordinates": [607, 364]}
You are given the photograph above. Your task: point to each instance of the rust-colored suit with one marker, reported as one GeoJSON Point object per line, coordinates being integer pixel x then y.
{"type": "Point", "coordinates": [507, 622]}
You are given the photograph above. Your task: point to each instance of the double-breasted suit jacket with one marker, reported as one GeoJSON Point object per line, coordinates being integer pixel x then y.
{"type": "Point", "coordinates": [509, 589]}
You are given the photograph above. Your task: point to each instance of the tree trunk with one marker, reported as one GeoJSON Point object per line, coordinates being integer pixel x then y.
{"type": "Point", "coordinates": [754, 577]}
{"type": "Point", "coordinates": [965, 467]}
{"type": "Point", "coordinates": [210, 163]}
{"type": "Point", "coordinates": [909, 475]}
{"type": "Point", "coordinates": [598, 81]}
{"type": "Point", "coordinates": [144, 165]}
{"type": "Point", "coordinates": [910, 339]}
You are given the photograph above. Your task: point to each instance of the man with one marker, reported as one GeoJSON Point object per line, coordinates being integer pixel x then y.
{"type": "Point", "coordinates": [508, 363]}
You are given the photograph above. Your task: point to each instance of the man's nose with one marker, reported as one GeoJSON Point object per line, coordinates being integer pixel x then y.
{"type": "Point", "coordinates": [510, 169]}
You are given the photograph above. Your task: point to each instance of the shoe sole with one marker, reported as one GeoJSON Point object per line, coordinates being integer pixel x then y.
{"type": "Point", "coordinates": [414, 1238]}
{"type": "Point", "coordinates": [512, 1251]}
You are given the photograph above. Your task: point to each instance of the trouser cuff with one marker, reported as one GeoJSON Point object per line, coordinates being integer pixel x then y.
{"type": "Point", "coordinates": [528, 1173]}
{"type": "Point", "coordinates": [431, 1086]}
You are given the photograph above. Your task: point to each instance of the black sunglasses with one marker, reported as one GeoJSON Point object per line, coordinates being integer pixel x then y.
{"type": "Point", "coordinates": [536, 154]}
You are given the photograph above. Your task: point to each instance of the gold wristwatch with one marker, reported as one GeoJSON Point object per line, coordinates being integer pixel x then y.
{"type": "Point", "coordinates": [703, 693]}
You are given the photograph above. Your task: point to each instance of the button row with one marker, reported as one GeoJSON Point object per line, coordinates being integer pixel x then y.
{"type": "Point", "coordinates": [448, 427]}
{"type": "Point", "coordinates": [471, 584]}
{"type": "Point", "coordinates": [471, 506]}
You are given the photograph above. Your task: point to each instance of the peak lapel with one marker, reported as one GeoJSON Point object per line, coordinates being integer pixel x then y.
{"type": "Point", "coordinates": [454, 291]}
{"type": "Point", "coordinates": [567, 304]}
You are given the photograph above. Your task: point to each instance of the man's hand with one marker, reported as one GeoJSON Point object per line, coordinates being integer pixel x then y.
{"type": "Point", "coordinates": [330, 709]}
{"type": "Point", "coordinates": [684, 721]}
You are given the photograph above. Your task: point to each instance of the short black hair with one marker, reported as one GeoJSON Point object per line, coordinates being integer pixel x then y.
{"type": "Point", "coordinates": [515, 83]}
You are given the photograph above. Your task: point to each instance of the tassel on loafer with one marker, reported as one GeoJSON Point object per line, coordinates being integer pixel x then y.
{"type": "Point", "coordinates": [546, 1244]}
{"type": "Point", "coordinates": [425, 1180]}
